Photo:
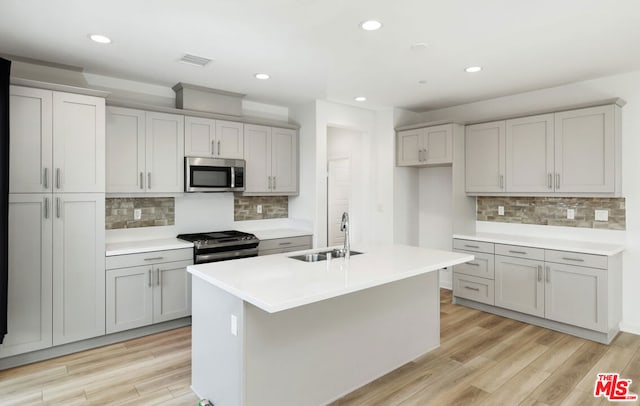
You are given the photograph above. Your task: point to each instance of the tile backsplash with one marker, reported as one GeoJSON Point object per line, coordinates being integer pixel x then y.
{"type": "Point", "coordinates": [155, 211]}
{"type": "Point", "coordinates": [273, 207]}
{"type": "Point", "coordinates": [552, 211]}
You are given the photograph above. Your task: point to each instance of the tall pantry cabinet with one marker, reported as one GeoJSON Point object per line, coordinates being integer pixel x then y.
{"type": "Point", "coordinates": [56, 219]}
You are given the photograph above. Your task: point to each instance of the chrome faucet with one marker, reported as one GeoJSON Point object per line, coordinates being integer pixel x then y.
{"type": "Point", "coordinates": [344, 226]}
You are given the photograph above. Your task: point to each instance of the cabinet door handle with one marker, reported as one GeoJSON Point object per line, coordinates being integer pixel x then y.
{"type": "Point", "coordinates": [141, 180]}
{"type": "Point", "coordinates": [213, 147]}
{"type": "Point", "coordinates": [425, 156]}
{"type": "Point", "coordinates": [501, 181]}
{"type": "Point", "coordinates": [154, 259]}
{"type": "Point", "coordinates": [149, 180]}
{"type": "Point", "coordinates": [46, 178]}
{"type": "Point", "coordinates": [517, 252]}
{"type": "Point", "coordinates": [159, 277]}
{"type": "Point", "coordinates": [558, 180]}
{"type": "Point", "coordinates": [274, 183]}
{"type": "Point", "coordinates": [548, 274]}
{"type": "Point", "coordinates": [46, 207]}
{"type": "Point", "coordinates": [219, 153]}
{"type": "Point", "coordinates": [149, 277]}
{"type": "Point", "coordinates": [573, 259]}
{"type": "Point", "coordinates": [57, 178]}
{"type": "Point", "coordinates": [550, 181]}
{"type": "Point", "coordinates": [470, 288]}
{"type": "Point", "coordinates": [57, 207]}
{"type": "Point", "coordinates": [269, 182]}
{"type": "Point", "coordinates": [539, 273]}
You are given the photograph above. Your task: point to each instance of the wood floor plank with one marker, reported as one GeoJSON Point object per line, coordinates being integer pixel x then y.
{"type": "Point", "coordinates": [565, 378]}
{"type": "Point", "coordinates": [483, 359]}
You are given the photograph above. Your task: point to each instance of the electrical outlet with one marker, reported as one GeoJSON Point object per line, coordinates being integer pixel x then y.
{"type": "Point", "coordinates": [137, 214]}
{"type": "Point", "coordinates": [259, 208]}
{"type": "Point", "coordinates": [602, 215]}
{"type": "Point", "coordinates": [500, 210]}
{"type": "Point", "coordinates": [571, 214]}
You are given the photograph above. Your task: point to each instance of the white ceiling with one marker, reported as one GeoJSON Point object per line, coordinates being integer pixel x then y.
{"type": "Point", "coordinates": [314, 49]}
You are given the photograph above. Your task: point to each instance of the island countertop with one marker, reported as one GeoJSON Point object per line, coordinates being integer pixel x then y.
{"type": "Point", "coordinates": [275, 283]}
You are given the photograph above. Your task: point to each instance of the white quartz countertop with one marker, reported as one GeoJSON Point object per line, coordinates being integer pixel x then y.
{"type": "Point", "coordinates": [276, 282]}
{"type": "Point", "coordinates": [274, 233]}
{"type": "Point", "coordinates": [135, 247]}
{"type": "Point", "coordinates": [585, 247]}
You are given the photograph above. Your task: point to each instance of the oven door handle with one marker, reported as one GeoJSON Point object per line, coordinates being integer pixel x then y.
{"type": "Point", "coordinates": [203, 258]}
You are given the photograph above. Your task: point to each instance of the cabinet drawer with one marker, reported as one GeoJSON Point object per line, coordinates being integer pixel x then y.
{"type": "Point", "coordinates": [576, 258]}
{"type": "Point", "coordinates": [481, 266]}
{"type": "Point", "coordinates": [148, 258]}
{"type": "Point", "coordinates": [302, 241]}
{"type": "Point", "coordinates": [472, 288]}
{"type": "Point", "coordinates": [519, 251]}
{"type": "Point", "coordinates": [470, 245]}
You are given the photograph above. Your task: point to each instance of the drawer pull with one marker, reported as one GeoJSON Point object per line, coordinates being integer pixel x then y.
{"type": "Point", "coordinates": [473, 263]}
{"type": "Point", "coordinates": [154, 259]}
{"type": "Point", "coordinates": [474, 289]}
{"type": "Point", "coordinates": [471, 246]}
{"type": "Point", "coordinates": [573, 259]}
{"type": "Point", "coordinates": [286, 243]}
{"type": "Point", "coordinates": [518, 252]}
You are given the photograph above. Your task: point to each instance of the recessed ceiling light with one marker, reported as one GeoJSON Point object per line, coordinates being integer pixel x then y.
{"type": "Point", "coordinates": [360, 98]}
{"type": "Point", "coordinates": [473, 69]}
{"type": "Point", "coordinates": [101, 39]}
{"type": "Point", "coordinates": [262, 76]}
{"type": "Point", "coordinates": [371, 25]}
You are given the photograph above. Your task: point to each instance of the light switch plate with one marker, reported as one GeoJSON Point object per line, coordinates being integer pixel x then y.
{"type": "Point", "coordinates": [500, 210]}
{"type": "Point", "coordinates": [602, 215]}
{"type": "Point", "coordinates": [571, 214]}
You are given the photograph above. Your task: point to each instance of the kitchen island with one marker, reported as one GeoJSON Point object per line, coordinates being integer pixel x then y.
{"type": "Point", "coordinates": [273, 330]}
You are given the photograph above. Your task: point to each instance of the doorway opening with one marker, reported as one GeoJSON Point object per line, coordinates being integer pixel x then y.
{"type": "Point", "coordinates": [343, 159]}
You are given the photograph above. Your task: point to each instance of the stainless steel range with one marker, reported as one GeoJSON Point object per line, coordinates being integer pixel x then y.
{"type": "Point", "coordinates": [222, 245]}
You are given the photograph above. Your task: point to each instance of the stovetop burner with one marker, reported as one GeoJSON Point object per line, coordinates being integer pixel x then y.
{"type": "Point", "coordinates": [229, 235]}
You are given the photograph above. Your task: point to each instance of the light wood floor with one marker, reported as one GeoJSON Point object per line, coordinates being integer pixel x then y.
{"type": "Point", "coordinates": [483, 360]}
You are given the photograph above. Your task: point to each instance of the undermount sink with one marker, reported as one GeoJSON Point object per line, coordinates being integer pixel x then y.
{"type": "Point", "coordinates": [322, 255]}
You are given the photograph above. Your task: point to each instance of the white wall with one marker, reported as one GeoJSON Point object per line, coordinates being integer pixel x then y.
{"type": "Point", "coordinates": [625, 86]}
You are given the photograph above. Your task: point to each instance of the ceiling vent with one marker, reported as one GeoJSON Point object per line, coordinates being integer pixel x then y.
{"type": "Point", "coordinates": [195, 60]}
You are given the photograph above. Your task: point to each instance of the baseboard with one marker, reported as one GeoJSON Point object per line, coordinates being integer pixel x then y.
{"type": "Point", "coordinates": [53, 352]}
{"type": "Point", "coordinates": [630, 328]}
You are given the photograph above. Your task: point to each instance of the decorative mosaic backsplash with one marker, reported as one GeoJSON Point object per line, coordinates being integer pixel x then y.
{"type": "Point", "coordinates": [273, 207]}
{"type": "Point", "coordinates": [155, 211]}
{"type": "Point", "coordinates": [552, 211]}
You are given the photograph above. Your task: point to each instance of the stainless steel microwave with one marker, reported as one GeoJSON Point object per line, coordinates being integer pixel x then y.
{"type": "Point", "coordinates": [213, 175]}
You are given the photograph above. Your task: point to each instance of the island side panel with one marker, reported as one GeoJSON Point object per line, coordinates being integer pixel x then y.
{"type": "Point", "coordinates": [316, 353]}
{"type": "Point", "coordinates": [216, 354]}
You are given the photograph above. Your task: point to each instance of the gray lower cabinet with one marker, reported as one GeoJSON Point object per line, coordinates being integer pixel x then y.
{"type": "Point", "coordinates": [576, 295]}
{"type": "Point", "coordinates": [568, 291]}
{"type": "Point", "coordinates": [519, 285]}
{"type": "Point", "coordinates": [143, 289]}
{"type": "Point", "coordinates": [282, 245]}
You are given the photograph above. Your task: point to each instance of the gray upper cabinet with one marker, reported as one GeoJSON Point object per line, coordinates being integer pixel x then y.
{"type": "Point", "coordinates": [145, 151]}
{"type": "Point", "coordinates": [575, 153]}
{"type": "Point", "coordinates": [529, 154]}
{"type": "Point", "coordinates": [57, 142]}
{"type": "Point", "coordinates": [425, 146]}
{"type": "Point", "coordinates": [205, 137]}
{"type": "Point", "coordinates": [271, 156]}
{"type": "Point", "coordinates": [485, 157]}
{"type": "Point", "coordinates": [585, 150]}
